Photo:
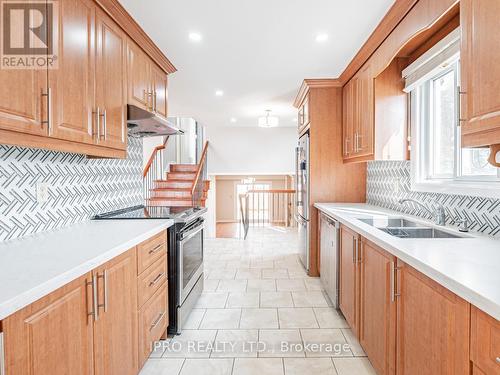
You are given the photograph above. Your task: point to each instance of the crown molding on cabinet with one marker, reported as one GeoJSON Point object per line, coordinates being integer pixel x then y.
{"type": "Point", "coordinates": [392, 18]}
{"type": "Point", "coordinates": [315, 83]}
{"type": "Point", "coordinates": [118, 13]}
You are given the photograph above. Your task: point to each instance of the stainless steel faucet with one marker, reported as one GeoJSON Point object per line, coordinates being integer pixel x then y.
{"type": "Point", "coordinates": [439, 214]}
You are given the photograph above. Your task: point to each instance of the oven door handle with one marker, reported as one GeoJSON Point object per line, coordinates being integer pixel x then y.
{"type": "Point", "coordinates": [193, 232]}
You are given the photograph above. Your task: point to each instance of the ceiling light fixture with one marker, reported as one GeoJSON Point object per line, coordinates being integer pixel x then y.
{"type": "Point", "coordinates": [268, 121]}
{"type": "Point", "coordinates": [195, 37]}
{"type": "Point", "coordinates": [322, 37]}
{"type": "Point", "coordinates": [219, 93]}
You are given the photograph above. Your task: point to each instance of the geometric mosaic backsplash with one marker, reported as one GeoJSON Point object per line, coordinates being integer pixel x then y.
{"type": "Point", "coordinates": [78, 187]}
{"type": "Point", "coordinates": [389, 181]}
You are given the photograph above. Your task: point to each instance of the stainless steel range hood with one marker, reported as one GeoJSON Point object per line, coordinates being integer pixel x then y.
{"type": "Point", "coordinates": [142, 123]}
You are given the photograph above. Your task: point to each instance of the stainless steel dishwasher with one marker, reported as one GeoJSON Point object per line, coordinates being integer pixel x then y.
{"type": "Point", "coordinates": [329, 256]}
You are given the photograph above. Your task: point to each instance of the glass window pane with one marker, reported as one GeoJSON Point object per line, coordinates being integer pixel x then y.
{"type": "Point", "coordinates": [475, 162]}
{"type": "Point", "coordinates": [443, 129]}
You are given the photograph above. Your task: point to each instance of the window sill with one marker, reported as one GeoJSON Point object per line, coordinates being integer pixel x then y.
{"type": "Point", "coordinates": [484, 189]}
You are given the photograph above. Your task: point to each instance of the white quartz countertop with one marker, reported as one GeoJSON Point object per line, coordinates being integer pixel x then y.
{"type": "Point", "coordinates": [34, 266]}
{"type": "Point", "coordinates": [469, 267]}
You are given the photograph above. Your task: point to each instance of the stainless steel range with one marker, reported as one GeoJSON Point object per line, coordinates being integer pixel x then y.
{"type": "Point", "coordinates": [185, 255]}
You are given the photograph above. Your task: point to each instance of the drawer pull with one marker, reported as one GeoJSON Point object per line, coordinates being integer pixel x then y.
{"type": "Point", "coordinates": [156, 249]}
{"type": "Point", "coordinates": [498, 360]}
{"type": "Point", "coordinates": [157, 321]}
{"type": "Point", "coordinates": [156, 279]}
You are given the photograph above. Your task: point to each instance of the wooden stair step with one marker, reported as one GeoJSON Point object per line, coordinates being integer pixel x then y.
{"type": "Point", "coordinates": [176, 184]}
{"type": "Point", "coordinates": [181, 176]}
{"type": "Point", "coordinates": [183, 168]}
{"type": "Point", "coordinates": [172, 202]}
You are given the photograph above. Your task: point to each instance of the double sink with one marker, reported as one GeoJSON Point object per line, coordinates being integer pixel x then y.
{"type": "Point", "coordinates": [404, 228]}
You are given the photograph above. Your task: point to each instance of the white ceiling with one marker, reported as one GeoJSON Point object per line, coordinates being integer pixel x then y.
{"type": "Point", "coordinates": [256, 51]}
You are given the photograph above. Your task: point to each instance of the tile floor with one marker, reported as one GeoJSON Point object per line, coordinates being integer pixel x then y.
{"type": "Point", "coordinates": [260, 314]}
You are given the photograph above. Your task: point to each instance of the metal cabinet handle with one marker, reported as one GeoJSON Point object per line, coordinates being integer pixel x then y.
{"type": "Point", "coordinates": [354, 250]}
{"type": "Point", "coordinates": [358, 253]}
{"type": "Point", "coordinates": [95, 302]}
{"type": "Point", "coordinates": [498, 360]}
{"type": "Point", "coordinates": [459, 106]}
{"type": "Point", "coordinates": [393, 278]}
{"type": "Point", "coordinates": [157, 321]}
{"type": "Point", "coordinates": [104, 277]}
{"type": "Point", "coordinates": [105, 124]}
{"type": "Point", "coordinates": [156, 279]}
{"type": "Point", "coordinates": [48, 95]}
{"type": "Point", "coordinates": [346, 149]}
{"type": "Point", "coordinates": [2, 355]}
{"type": "Point", "coordinates": [97, 112]}
{"type": "Point", "coordinates": [93, 311]}
{"type": "Point", "coordinates": [156, 249]}
{"type": "Point", "coordinates": [154, 101]}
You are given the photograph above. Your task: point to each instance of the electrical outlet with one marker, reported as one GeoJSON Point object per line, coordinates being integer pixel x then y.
{"type": "Point", "coordinates": [42, 192]}
{"type": "Point", "coordinates": [396, 186]}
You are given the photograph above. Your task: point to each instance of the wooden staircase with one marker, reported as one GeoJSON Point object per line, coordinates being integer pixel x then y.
{"type": "Point", "coordinates": [176, 189]}
{"type": "Point", "coordinates": [183, 185]}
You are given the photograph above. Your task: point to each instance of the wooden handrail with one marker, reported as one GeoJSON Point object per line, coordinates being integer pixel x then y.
{"type": "Point", "coordinates": [200, 168]}
{"type": "Point", "coordinates": [152, 157]}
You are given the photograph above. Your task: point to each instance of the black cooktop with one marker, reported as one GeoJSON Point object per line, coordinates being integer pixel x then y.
{"type": "Point", "coordinates": [151, 212]}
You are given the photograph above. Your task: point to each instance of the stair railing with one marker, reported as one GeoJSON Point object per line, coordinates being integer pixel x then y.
{"type": "Point", "coordinates": [198, 186]}
{"type": "Point", "coordinates": [267, 208]}
{"type": "Point", "coordinates": [153, 170]}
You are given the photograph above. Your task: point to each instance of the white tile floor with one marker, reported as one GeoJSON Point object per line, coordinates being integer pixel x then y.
{"type": "Point", "coordinates": [260, 314]}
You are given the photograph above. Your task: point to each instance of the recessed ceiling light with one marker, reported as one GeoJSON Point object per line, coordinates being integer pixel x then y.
{"type": "Point", "coordinates": [219, 93]}
{"type": "Point", "coordinates": [195, 37]}
{"type": "Point", "coordinates": [322, 37]}
{"type": "Point", "coordinates": [233, 119]}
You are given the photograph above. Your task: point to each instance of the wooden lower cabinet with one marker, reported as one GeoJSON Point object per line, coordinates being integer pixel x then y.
{"type": "Point", "coordinates": [349, 277]}
{"type": "Point", "coordinates": [53, 335]}
{"type": "Point", "coordinates": [432, 327]}
{"type": "Point", "coordinates": [485, 343]}
{"type": "Point", "coordinates": [115, 329]}
{"type": "Point", "coordinates": [377, 323]}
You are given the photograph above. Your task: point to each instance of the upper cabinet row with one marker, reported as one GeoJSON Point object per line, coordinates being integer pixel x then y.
{"type": "Point", "coordinates": [81, 104]}
{"type": "Point", "coordinates": [375, 107]}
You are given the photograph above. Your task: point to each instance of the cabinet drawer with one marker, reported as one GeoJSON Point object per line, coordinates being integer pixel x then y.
{"type": "Point", "coordinates": [153, 322]}
{"type": "Point", "coordinates": [150, 280]}
{"type": "Point", "coordinates": [485, 342]}
{"type": "Point", "coordinates": [150, 251]}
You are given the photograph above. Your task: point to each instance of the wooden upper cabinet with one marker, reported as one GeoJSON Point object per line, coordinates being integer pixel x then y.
{"type": "Point", "coordinates": [110, 80]}
{"type": "Point", "coordinates": [72, 83]}
{"type": "Point", "coordinates": [480, 72]}
{"type": "Point", "coordinates": [53, 335]}
{"type": "Point", "coordinates": [363, 140]}
{"type": "Point", "coordinates": [160, 90]}
{"type": "Point", "coordinates": [349, 114]}
{"type": "Point", "coordinates": [115, 336]}
{"type": "Point", "coordinates": [432, 327]}
{"type": "Point", "coordinates": [349, 277]}
{"type": "Point", "coordinates": [23, 101]}
{"type": "Point", "coordinates": [485, 342]}
{"type": "Point", "coordinates": [139, 77]}
{"type": "Point", "coordinates": [377, 327]}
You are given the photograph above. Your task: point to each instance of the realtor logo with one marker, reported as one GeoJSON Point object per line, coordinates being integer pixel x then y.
{"type": "Point", "coordinates": [29, 34]}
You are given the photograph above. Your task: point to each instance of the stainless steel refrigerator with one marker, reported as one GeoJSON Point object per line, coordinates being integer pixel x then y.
{"type": "Point", "coordinates": [302, 215]}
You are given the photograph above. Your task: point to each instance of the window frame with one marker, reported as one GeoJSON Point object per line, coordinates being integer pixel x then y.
{"type": "Point", "coordinates": [422, 120]}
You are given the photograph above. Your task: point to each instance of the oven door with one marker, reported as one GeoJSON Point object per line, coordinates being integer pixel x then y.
{"type": "Point", "coordinates": [190, 260]}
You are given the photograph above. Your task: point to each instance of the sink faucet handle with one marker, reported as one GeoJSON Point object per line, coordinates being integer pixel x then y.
{"type": "Point", "coordinates": [464, 224]}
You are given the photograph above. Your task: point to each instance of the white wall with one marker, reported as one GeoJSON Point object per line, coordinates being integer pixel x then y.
{"type": "Point", "coordinates": [251, 150]}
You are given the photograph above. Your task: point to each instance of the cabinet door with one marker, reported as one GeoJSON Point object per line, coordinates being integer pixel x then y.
{"type": "Point", "coordinates": [349, 276]}
{"type": "Point", "coordinates": [432, 327]}
{"type": "Point", "coordinates": [111, 94]}
{"type": "Point", "coordinates": [139, 77]}
{"type": "Point", "coordinates": [377, 328]}
{"type": "Point", "coordinates": [23, 106]}
{"type": "Point", "coordinates": [349, 114]}
{"type": "Point", "coordinates": [480, 103]}
{"type": "Point", "coordinates": [160, 91]}
{"type": "Point", "coordinates": [365, 110]}
{"type": "Point", "coordinates": [115, 335]}
{"type": "Point", "coordinates": [485, 342]}
{"type": "Point", "coordinates": [72, 83]}
{"type": "Point", "coordinates": [53, 335]}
